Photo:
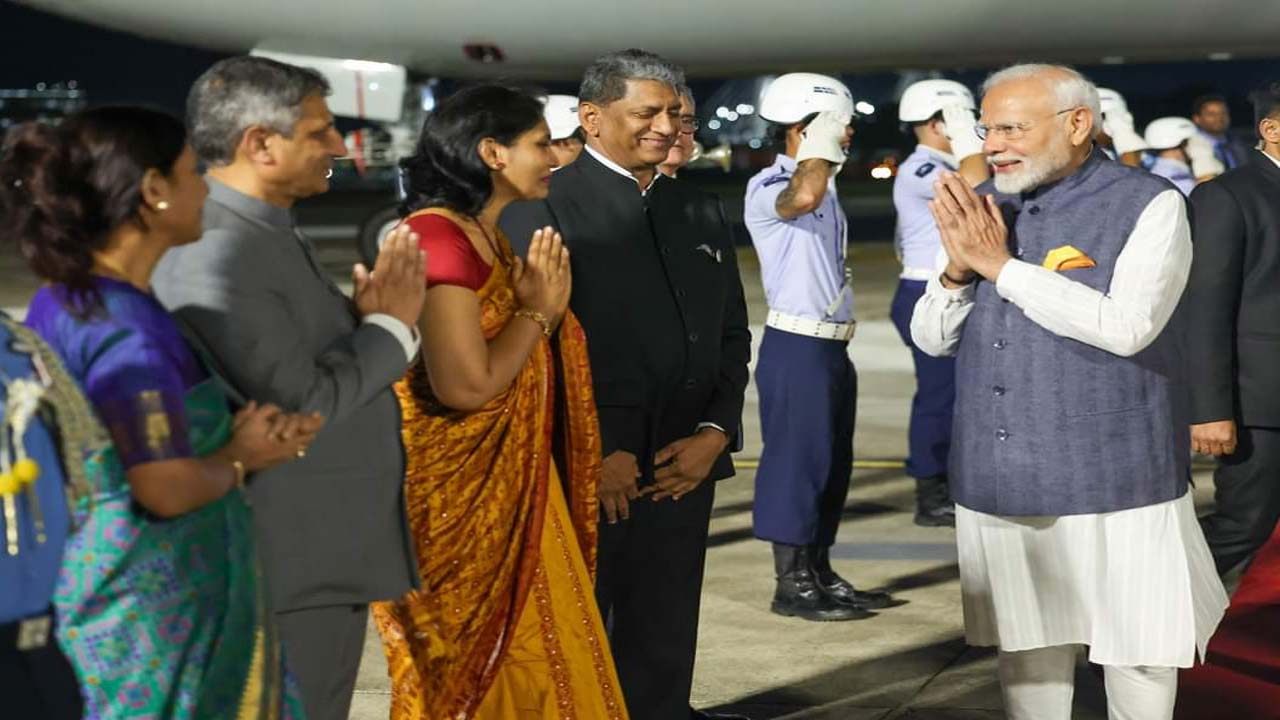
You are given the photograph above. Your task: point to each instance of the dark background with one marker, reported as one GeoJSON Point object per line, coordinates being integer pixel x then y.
{"type": "Point", "coordinates": [113, 67]}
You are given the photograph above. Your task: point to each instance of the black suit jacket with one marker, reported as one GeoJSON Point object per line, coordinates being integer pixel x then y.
{"type": "Point", "coordinates": [656, 286]}
{"type": "Point", "coordinates": [1233, 297]}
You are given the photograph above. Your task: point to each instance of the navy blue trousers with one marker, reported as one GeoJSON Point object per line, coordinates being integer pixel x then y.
{"type": "Point", "coordinates": [808, 398]}
{"type": "Point", "coordinates": [929, 436]}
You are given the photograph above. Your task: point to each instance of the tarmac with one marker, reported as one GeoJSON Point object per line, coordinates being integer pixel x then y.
{"type": "Point", "coordinates": [908, 661]}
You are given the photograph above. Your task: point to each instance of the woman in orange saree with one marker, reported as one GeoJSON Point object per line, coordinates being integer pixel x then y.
{"type": "Point", "coordinates": [502, 442]}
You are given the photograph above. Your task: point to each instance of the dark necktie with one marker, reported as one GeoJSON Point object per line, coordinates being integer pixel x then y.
{"type": "Point", "coordinates": [1222, 150]}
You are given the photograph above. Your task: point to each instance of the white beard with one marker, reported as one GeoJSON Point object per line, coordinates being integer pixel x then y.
{"type": "Point", "coordinates": [1034, 170]}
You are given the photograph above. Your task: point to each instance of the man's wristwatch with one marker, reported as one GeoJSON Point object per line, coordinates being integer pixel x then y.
{"type": "Point", "coordinates": [954, 281]}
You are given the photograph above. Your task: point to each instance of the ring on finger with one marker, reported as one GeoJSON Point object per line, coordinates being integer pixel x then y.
{"type": "Point", "coordinates": [302, 451]}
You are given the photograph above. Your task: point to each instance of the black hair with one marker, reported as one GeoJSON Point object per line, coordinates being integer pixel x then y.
{"type": "Point", "coordinates": [1266, 103]}
{"type": "Point", "coordinates": [446, 170]}
{"type": "Point", "coordinates": [775, 133]}
{"type": "Point", "coordinates": [909, 128]}
{"type": "Point", "coordinates": [1198, 104]}
{"type": "Point", "coordinates": [64, 189]}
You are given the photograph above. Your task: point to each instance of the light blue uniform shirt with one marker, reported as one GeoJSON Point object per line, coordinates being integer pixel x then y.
{"type": "Point", "coordinates": [1178, 173]}
{"type": "Point", "coordinates": [801, 260]}
{"type": "Point", "coordinates": [916, 233]}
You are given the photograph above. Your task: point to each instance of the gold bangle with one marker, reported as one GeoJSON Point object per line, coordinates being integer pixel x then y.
{"type": "Point", "coordinates": [537, 317]}
{"type": "Point", "coordinates": [238, 467]}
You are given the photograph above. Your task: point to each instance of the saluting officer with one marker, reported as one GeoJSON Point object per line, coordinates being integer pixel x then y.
{"type": "Point", "coordinates": [1118, 139]}
{"type": "Point", "coordinates": [561, 114]}
{"type": "Point", "coordinates": [808, 387]}
{"type": "Point", "coordinates": [940, 115]}
{"type": "Point", "coordinates": [1167, 139]}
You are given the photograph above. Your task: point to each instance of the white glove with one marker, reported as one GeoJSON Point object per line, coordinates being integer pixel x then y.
{"type": "Point", "coordinates": [822, 138]}
{"type": "Point", "coordinates": [1204, 164]}
{"type": "Point", "coordinates": [958, 125]}
{"type": "Point", "coordinates": [1124, 139]}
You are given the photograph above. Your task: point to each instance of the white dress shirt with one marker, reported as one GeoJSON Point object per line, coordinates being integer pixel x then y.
{"type": "Point", "coordinates": [1148, 279]}
{"type": "Point", "coordinates": [405, 335]}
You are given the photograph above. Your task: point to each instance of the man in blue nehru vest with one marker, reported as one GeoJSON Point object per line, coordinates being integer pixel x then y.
{"type": "Point", "coordinates": [808, 387]}
{"type": "Point", "coordinates": [939, 114]}
{"type": "Point", "coordinates": [1070, 457]}
{"type": "Point", "coordinates": [45, 418]}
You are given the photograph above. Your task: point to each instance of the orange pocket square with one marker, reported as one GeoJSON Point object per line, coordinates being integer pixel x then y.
{"type": "Point", "coordinates": [1067, 257]}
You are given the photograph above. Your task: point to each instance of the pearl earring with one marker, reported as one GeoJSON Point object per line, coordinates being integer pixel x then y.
{"type": "Point", "coordinates": [162, 205]}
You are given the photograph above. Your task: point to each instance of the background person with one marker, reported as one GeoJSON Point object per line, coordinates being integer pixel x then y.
{"type": "Point", "coordinates": [561, 114]}
{"type": "Point", "coordinates": [1233, 298]}
{"type": "Point", "coordinates": [1213, 150]}
{"type": "Point", "coordinates": [682, 149]}
{"type": "Point", "coordinates": [1118, 138]}
{"type": "Point", "coordinates": [1167, 143]}
{"type": "Point", "coordinates": [940, 115]}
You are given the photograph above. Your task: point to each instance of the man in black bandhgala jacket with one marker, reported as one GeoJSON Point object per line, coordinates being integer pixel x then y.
{"type": "Point", "coordinates": [656, 286]}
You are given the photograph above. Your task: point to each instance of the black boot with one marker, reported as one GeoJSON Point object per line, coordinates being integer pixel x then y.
{"type": "Point", "coordinates": [798, 594]}
{"type": "Point", "coordinates": [839, 589]}
{"type": "Point", "coordinates": [934, 507]}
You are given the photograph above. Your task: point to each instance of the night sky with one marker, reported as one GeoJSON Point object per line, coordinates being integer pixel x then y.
{"type": "Point", "coordinates": [119, 68]}
{"type": "Point", "coordinates": [112, 67]}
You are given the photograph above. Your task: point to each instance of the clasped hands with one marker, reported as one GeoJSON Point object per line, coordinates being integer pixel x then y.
{"type": "Point", "coordinates": [681, 467]}
{"type": "Point", "coordinates": [972, 229]}
{"type": "Point", "coordinates": [397, 284]}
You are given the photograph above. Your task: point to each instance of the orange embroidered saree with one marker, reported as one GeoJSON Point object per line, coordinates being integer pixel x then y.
{"type": "Point", "coordinates": [505, 625]}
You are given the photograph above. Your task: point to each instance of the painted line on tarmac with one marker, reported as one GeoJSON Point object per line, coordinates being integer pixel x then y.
{"type": "Point", "coordinates": [751, 463]}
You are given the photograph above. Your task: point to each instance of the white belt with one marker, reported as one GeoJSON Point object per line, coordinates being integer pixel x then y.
{"type": "Point", "coordinates": [913, 273]}
{"type": "Point", "coordinates": [810, 327]}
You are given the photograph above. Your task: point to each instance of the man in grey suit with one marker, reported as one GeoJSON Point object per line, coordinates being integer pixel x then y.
{"type": "Point", "coordinates": [253, 297]}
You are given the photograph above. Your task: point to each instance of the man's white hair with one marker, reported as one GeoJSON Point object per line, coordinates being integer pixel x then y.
{"type": "Point", "coordinates": [1071, 88]}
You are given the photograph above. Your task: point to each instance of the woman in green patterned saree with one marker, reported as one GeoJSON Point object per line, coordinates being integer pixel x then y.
{"type": "Point", "coordinates": [161, 605]}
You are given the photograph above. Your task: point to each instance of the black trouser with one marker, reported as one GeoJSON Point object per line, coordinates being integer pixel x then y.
{"type": "Point", "coordinates": [322, 647]}
{"type": "Point", "coordinates": [1247, 493]}
{"type": "Point", "coordinates": [649, 587]}
{"type": "Point", "coordinates": [36, 683]}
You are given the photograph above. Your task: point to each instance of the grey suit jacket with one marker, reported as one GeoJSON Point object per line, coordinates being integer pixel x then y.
{"type": "Point", "coordinates": [253, 299]}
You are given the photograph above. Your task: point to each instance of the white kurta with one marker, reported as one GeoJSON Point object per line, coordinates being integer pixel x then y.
{"type": "Point", "coordinates": [1137, 586]}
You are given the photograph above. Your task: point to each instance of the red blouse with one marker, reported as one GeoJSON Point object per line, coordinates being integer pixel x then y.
{"type": "Point", "coordinates": [451, 258]}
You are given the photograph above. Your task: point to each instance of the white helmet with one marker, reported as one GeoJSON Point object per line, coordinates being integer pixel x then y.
{"type": "Point", "coordinates": [561, 112]}
{"type": "Point", "coordinates": [1169, 132]}
{"type": "Point", "coordinates": [794, 96]}
{"type": "Point", "coordinates": [924, 99]}
{"type": "Point", "coordinates": [1111, 101]}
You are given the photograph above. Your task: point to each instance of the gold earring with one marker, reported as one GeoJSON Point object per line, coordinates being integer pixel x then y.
{"type": "Point", "coordinates": [162, 205]}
